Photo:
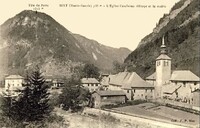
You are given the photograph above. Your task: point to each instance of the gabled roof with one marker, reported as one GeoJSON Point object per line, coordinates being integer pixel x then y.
{"type": "Point", "coordinates": [111, 93]}
{"type": "Point", "coordinates": [184, 75]}
{"type": "Point", "coordinates": [151, 77]}
{"type": "Point", "coordinates": [163, 56]}
{"type": "Point", "coordinates": [129, 80]}
{"type": "Point", "coordinates": [170, 88]}
{"type": "Point", "coordinates": [14, 77]}
{"type": "Point", "coordinates": [89, 81]}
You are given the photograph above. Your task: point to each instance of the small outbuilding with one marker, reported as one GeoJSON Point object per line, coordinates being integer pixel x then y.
{"type": "Point", "coordinates": [108, 97]}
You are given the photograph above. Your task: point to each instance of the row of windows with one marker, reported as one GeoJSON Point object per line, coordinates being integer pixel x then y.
{"type": "Point", "coordinates": [93, 90]}
{"type": "Point", "coordinates": [9, 85]}
{"type": "Point", "coordinates": [135, 90]}
{"type": "Point", "coordinates": [93, 84]}
{"type": "Point", "coordinates": [184, 83]}
{"type": "Point", "coordinates": [166, 63]}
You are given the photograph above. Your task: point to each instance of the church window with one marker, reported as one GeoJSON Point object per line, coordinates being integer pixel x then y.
{"type": "Point", "coordinates": [167, 63]}
{"type": "Point", "coordinates": [195, 83]}
{"type": "Point", "coordinates": [145, 90]}
{"type": "Point", "coordinates": [158, 63]}
{"type": "Point", "coordinates": [134, 90]}
{"type": "Point", "coordinates": [127, 91]}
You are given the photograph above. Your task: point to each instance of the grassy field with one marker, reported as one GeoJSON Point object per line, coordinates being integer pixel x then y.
{"type": "Point", "coordinates": [76, 120]}
{"type": "Point", "coordinates": [161, 112]}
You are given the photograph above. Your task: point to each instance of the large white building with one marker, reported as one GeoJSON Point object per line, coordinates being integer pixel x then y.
{"type": "Point", "coordinates": [13, 82]}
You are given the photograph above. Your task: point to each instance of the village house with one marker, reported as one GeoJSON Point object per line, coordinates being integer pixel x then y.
{"type": "Point", "coordinates": [133, 86]}
{"type": "Point", "coordinates": [90, 83]}
{"type": "Point", "coordinates": [13, 82]}
{"type": "Point", "coordinates": [108, 97]}
{"type": "Point", "coordinates": [174, 85]}
{"type": "Point", "coordinates": [54, 81]}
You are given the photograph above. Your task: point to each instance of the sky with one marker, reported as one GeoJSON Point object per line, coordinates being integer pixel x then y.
{"type": "Point", "coordinates": [114, 26]}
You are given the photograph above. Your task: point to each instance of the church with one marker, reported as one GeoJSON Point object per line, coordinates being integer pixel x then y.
{"type": "Point", "coordinates": [170, 84]}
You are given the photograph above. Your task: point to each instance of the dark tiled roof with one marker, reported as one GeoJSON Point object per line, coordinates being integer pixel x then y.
{"type": "Point", "coordinates": [111, 93]}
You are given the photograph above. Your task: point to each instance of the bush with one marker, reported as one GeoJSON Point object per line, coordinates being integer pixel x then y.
{"type": "Point", "coordinates": [54, 99]}
{"type": "Point", "coordinates": [74, 97]}
{"type": "Point", "coordinates": [108, 118]}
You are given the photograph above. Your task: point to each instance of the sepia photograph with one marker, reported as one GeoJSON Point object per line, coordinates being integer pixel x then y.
{"type": "Point", "coordinates": [100, 64]}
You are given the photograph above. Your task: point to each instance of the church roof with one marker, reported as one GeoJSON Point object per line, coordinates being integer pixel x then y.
{"type": "Point", "coordinates": [89, 81]}
{"type": "Point", "coordinates": [163, 56]}
{"type": "Point", "coordinates": [151, 77]}
{"type": "Point", "coordinates": [184, 75]}
{"type": "Point", "coordinates": [129, 80]}
{"type": "Point", "coordinates": [14, 77]}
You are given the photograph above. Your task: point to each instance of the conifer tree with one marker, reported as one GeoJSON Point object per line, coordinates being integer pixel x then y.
{"type": "Point", "coordinates": [32, 103]}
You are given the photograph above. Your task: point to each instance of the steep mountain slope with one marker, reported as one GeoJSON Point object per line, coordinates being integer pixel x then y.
{"type": "Point", "coordinates": [181, 31]}
{"type": "Point", "coordinates": [102, 55]}
{"type": "Point", "coordinates": [31, 38]}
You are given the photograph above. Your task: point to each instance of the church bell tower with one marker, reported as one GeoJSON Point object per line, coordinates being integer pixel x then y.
{"type": "Point", "coordinates": [163, 70]}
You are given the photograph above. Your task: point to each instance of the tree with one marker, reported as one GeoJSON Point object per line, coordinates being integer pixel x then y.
{"type": "Point", "coordinates": [118, 67]}
{"type": "Point", "coordinates": [32, 103]}
{"type": "Point", "coordinates": [90, 71]}
{"type": "Point", "coordinates": [74, 96]}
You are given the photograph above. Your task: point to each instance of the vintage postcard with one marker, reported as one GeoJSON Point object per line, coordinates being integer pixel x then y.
{"type": "Point", "coordinates": [99, 64]}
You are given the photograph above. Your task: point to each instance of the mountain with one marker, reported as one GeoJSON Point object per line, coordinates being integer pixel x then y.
{"type": "Point", "coordinates": [34, 38]}
{"type": "Point", "coordinates": [102, 55]}
{"type": "Point", "coordinates": [181, 31]}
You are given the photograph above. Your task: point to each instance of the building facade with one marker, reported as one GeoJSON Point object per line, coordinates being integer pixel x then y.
{"type": "Point", "coordinates": [174, 85]}
{"type": "Point", "coordinates": [133, 86]}
{"type": "Point", "coordinates": [101, 98]}
{"type": "Point", "coordinates": [13, 82]}
{"type": "Point", "coordinates": [90, 83]}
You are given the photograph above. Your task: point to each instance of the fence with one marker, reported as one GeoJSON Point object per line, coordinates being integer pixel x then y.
{"type": "Point", "coordinates": [176, 103]}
